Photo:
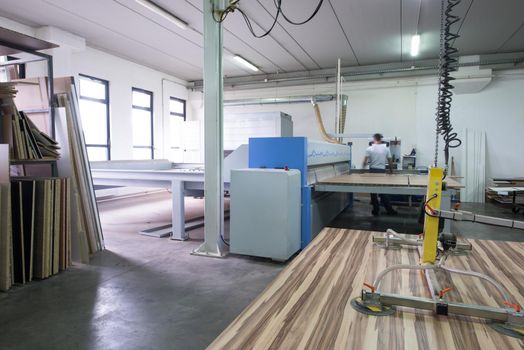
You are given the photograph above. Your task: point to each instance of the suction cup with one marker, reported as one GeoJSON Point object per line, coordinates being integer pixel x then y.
{"type": "Point", "coordinates": [371, 309]}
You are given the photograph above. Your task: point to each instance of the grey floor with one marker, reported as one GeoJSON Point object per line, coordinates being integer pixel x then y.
{"type": "Point", "coordinates": [148, 293]}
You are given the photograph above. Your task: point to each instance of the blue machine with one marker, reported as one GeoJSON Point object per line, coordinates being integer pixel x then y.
{"type": "Point", "coordinates": [316, 161]}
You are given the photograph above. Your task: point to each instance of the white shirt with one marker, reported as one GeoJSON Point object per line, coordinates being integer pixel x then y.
{"type": "Point", "coordinates": [378, 154]}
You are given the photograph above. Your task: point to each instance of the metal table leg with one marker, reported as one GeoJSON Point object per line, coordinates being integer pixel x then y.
{"type": "Point", "coordinates": [178, 220]}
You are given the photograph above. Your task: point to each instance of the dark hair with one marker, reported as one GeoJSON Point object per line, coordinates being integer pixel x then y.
{"type": "Point", "coordinates": [377, 137]}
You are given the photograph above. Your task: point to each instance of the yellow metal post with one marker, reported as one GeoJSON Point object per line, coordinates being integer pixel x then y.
{"type": "Point", "coordinates": [434, 195]}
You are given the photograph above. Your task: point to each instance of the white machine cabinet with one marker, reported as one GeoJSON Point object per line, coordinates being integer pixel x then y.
{"type": "Point", "coordinates": [239, 127]}
{"type": "Point", "coordinates": [265, 212]}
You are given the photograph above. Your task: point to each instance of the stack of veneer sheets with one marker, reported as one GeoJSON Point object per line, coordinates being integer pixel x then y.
{"type": "Point", "coordinates": [41, 228]}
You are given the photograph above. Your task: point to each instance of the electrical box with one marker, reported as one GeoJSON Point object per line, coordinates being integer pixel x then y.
{"type": "Point", "coordinates": [265, 212]}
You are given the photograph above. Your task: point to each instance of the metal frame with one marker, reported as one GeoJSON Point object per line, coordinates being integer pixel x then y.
{"type": "Point", "coordinates": [150, 110]}
{"type": "Point", "coordinates": [179, 181]}
{"type": "Point", "coordinates": [105, 101]}
{"type": "Point", "coordinates": [511, 319]}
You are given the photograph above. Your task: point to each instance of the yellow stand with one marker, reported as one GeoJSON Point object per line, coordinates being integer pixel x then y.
{"type": "Point", "coordinates": [434, 195]}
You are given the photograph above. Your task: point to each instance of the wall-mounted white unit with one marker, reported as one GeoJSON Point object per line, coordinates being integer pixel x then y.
{"type": "Point", "coordinates": [239, 127]}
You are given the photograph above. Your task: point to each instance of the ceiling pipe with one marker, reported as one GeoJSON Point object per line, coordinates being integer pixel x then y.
{"type": "Point", "coordinates": [279, 100]}
{"type": "Point", "coordinates": [422, 67]}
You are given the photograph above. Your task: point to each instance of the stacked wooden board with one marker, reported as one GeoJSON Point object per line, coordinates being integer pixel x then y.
{"type": "Point", "coordinates": [26, 140]}
{"type": "Point", "coordinates": [29, 142]}
{"type": "Point", "coordinates": [506, 191]}
{"type": "Point", "coordinates": [6, 255]}
{"type": "Point", "coordinates": [41, 229]}
{"type": "Point", "coordinates": [76, 165]}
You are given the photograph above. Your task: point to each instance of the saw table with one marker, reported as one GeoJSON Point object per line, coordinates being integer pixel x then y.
{"type": "Point", "coordinates": [402, 184]}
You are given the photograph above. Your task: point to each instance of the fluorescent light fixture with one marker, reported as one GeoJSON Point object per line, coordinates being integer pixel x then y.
{"type": "Point", "coordinates": [415, 45]}
{"type": "Point", "coordinates": [162, 13]}
{"type": "Point", "coordinates": [246, 63]}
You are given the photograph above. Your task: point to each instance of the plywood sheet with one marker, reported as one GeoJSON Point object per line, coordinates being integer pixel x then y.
{"type": "Point", "coordinates": [422, 181]}
{"type": "Point", "coordinates": [307, 306]}
{"type": "Point", "coordinates": [368, 179]}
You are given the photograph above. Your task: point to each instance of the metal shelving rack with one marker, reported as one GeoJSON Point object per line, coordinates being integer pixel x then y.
{"type": "Point", "coordinates": [13, 43]}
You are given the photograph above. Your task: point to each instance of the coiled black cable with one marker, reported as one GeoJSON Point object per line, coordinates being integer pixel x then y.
{"type": "Point", "coordinates": [448, 62]}
{"type": "Point", "coordinates": [278, 4]}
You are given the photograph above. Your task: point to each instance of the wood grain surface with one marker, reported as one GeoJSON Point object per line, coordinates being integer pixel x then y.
{"type": "Point", "coordinates": [422, 181]}
{"type": "Point", "coordinates": [386, 180]}
{"type": "Point", "coordinates": [307, 306]}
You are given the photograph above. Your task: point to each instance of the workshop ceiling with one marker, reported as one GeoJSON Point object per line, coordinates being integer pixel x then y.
{"type": "Point", "coordinates": [360, 32]}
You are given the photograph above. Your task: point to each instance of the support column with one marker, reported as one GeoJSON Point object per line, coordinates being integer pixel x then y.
{"type": "Point", "coordinates": [213, 136]}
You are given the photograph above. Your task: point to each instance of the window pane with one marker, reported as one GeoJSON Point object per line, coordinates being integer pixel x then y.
{"type": "Point", "coordinates": [93, 89]}
{"type": "Point", "coordinates": [141, 99]}
{"type": "Point", "coordinates": [176, 106]}
{"type": "Point", "coordinates": [97, 153]}
{"type": "Point", "coordinates": [141, 127]}
{"type": "Point", "coordinates": [141, 153]}
{"type": "Point", "coordinates": [94, 121]}
{"type": "Point", "coordinates": [176, 127]}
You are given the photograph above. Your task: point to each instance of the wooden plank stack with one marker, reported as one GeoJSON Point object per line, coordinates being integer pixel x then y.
{"type": "Point", "coordinates": [26, 140]}
{"type": "Point", "coordinates": [41, 227]}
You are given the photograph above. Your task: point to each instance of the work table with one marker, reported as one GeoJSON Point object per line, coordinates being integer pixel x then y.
{"type": "Point", "coordinates": [307, 306]}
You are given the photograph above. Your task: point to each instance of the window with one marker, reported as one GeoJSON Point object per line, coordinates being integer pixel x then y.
{"type": "Point", "coordinates": [142, 116]}
{"type": "Point", "coordinates": [94, 112]}
{"type": "Point", "coordinates": [177, 114]}
{"type": "Point", "coordinates": [177, 108]}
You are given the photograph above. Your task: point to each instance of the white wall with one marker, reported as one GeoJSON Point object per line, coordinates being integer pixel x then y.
{"type": "Point", "coordinates": [123, 76]}
{"type": "Point", "coordinates": [405, 108]}
{"type": "Point", "coordinates": [73, 58]}
{"type": "Point", "coordinates": [498, 110]}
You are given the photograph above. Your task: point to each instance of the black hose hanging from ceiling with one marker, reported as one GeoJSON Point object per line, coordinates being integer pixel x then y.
{"type": "Point", "coordinates": [448, 61]}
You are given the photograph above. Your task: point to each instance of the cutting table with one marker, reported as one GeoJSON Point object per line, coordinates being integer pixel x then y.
{"type": "Point", "coordinates": [402, 184]}
{"type": "Point", "coordinates": [307, 306]}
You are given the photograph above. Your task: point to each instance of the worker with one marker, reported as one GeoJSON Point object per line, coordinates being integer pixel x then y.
{"type": "Point", "coordinates": [377, 154]}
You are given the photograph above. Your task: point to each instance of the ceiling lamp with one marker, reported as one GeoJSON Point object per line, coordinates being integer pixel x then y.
{"type": "Point", "coordinates": [243, 62]}
{"type": "Point", "coordinates": [415, 45]}
{"type": "Point", "coordinates": [162, 13]}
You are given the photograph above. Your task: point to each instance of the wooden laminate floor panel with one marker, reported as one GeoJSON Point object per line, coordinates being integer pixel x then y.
{"type": "Point", "coordinates": [308, 305]}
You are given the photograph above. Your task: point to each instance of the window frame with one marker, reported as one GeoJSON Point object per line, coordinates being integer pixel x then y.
{"type": "Point", "coordinates": [152, 121]}
{"type": "Point", "coordinates": [104, 101]}
{"type": "Point", "coordinates": [184, 114]}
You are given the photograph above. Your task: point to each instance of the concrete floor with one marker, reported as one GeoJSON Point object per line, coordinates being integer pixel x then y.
{"type": "Point", "coordinates": [140, 293]}
{"type": "Point", "coordinates": [150, 293]}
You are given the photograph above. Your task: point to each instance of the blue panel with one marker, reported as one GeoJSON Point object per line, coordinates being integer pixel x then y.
{"type": "Point", "coordinates": [279, 152]}
{"type": "Point", "coordinates": [306, 217]}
